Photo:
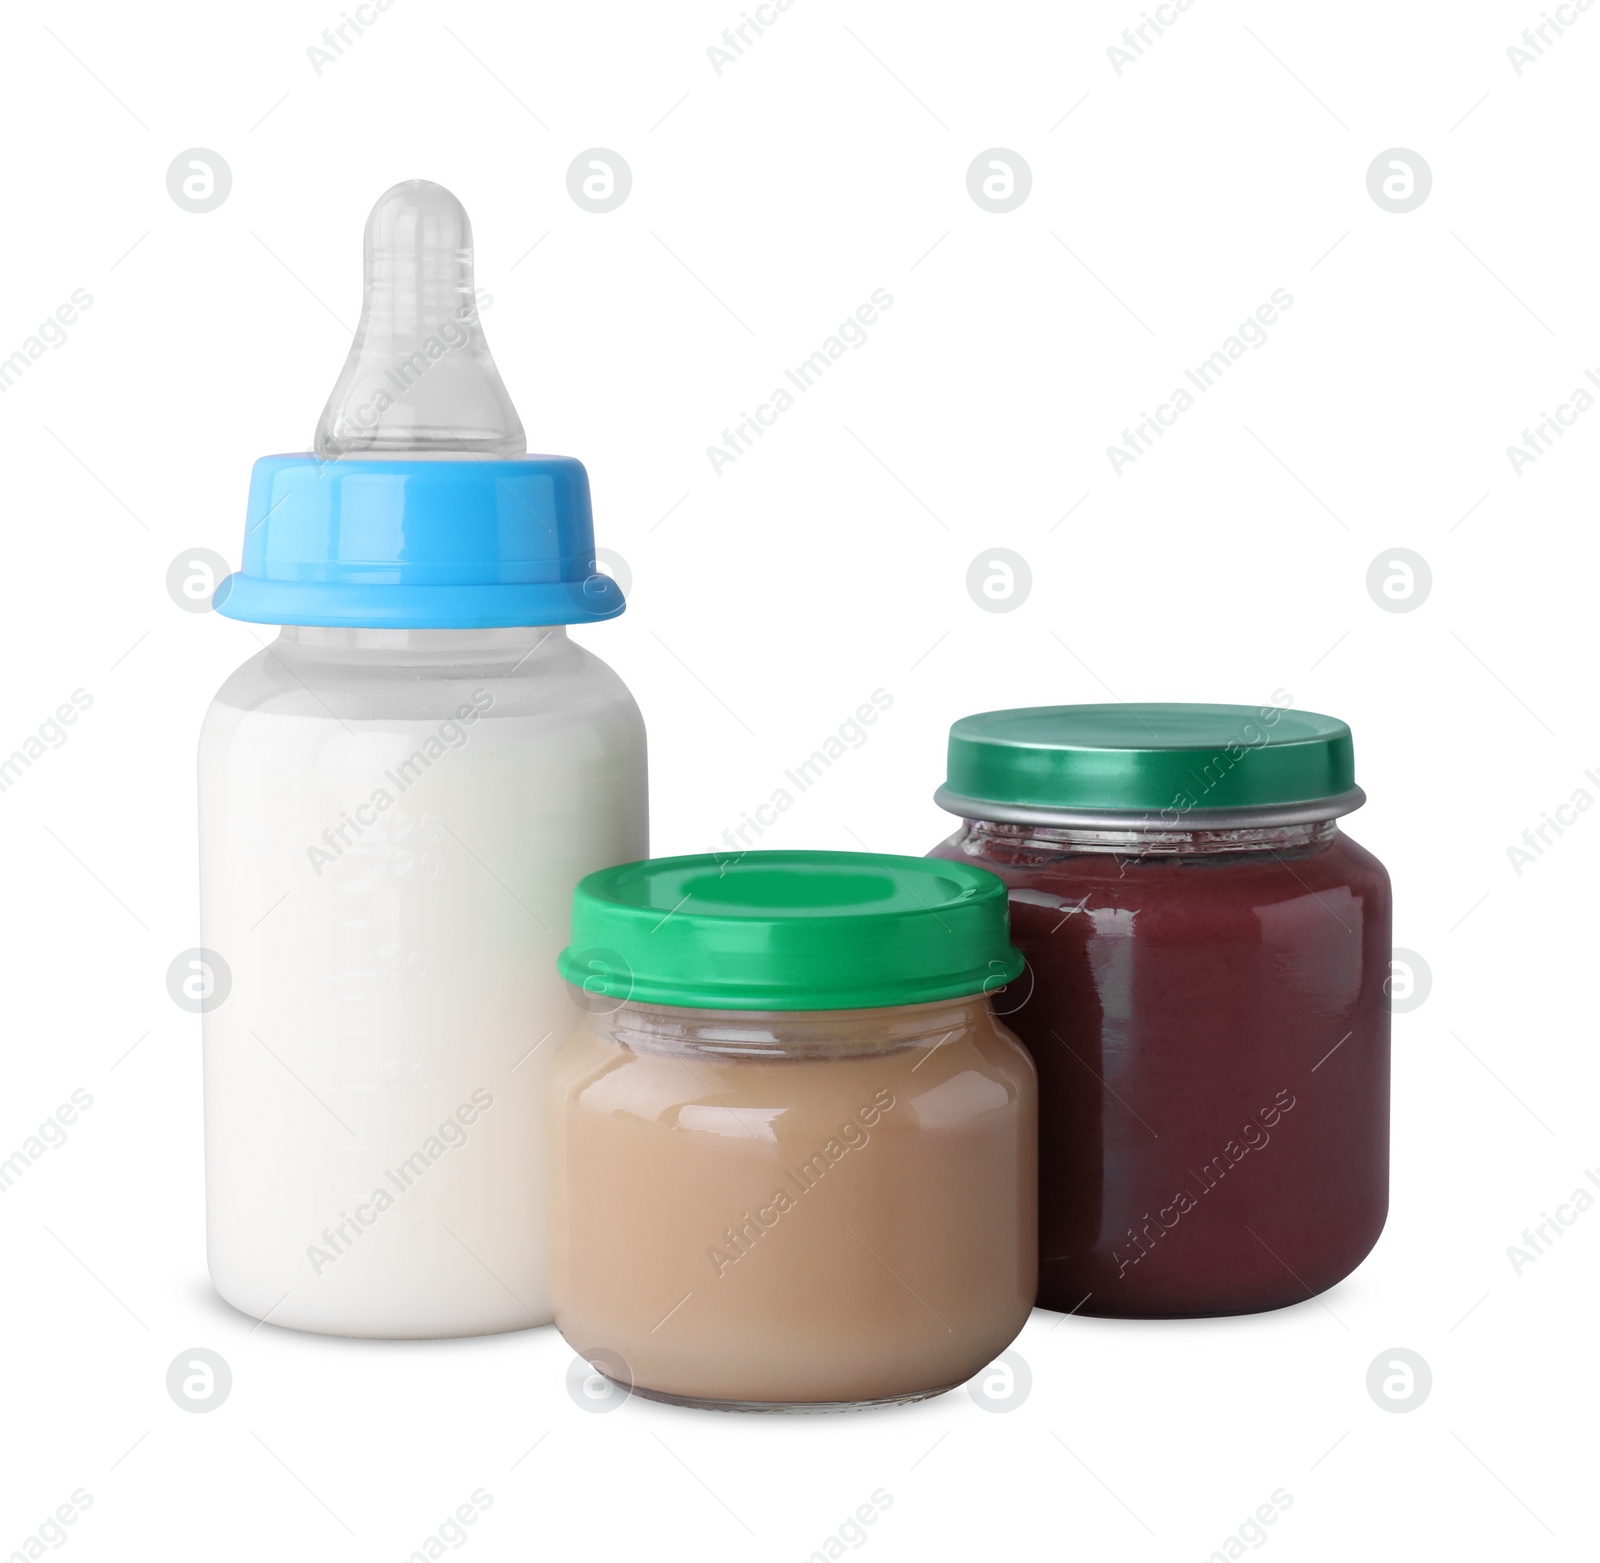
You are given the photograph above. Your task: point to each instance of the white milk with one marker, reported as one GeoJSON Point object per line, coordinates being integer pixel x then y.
{"type": "Point", "coordinates": [389, 883]}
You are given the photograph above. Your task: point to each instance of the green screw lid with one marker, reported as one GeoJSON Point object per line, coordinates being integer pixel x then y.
{"type": "Point", "coordinates": [1155, 766]}
{"type": "Point", "coordinates": [789, 931]}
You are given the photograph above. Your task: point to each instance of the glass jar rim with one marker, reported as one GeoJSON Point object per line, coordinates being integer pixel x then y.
{"type": "Point", "coordinates": [786, 1034]}
{"type": "Point", "coordinates": [1161, 821]}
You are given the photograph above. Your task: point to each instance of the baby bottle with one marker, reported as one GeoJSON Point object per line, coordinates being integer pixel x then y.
{"type": "Point", "coordinates": [397, 797]}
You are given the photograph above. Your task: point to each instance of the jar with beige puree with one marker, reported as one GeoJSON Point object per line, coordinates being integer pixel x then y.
{"type": "Point", "coordinates": [794, 1151]}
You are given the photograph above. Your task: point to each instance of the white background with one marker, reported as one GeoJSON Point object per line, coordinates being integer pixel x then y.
{"type": "Point", "coordinates": [768, 602]}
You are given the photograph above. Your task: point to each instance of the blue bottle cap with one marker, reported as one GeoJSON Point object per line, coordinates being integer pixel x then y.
{"type": "Point", "coordinates": [419, 545]}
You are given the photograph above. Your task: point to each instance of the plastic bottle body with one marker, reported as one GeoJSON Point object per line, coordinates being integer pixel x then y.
{"type": "Point", "coordinates": [392, 822]}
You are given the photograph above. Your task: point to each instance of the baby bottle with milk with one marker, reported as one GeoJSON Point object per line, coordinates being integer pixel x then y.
{"type": "Point", "coordinates": [397, 797]}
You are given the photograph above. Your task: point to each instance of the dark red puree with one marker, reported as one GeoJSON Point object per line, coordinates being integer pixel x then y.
{"type": "Point", "coordinates": [1210, 1027]}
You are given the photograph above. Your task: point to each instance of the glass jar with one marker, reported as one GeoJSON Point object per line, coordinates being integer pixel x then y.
{"type": "Point", "coordinates": [1206, 997]}
{"type": "Point", "coordinates": [795, 1159]}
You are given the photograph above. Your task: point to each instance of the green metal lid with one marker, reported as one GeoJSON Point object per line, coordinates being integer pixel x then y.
{"type": "Point", "coordinates": [1151, 766]}
{"type": "Point", "coordinates": [789, 931]}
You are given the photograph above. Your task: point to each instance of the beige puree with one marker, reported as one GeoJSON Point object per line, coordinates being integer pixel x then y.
{"type": "Point", "coordinates": [829, 1207]}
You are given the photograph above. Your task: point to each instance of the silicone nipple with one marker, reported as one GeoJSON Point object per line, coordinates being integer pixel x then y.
{"type": "Point", "coordinates": [420, 382]}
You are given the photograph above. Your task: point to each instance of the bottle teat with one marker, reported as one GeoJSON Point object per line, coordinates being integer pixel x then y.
{"type": "Point", "coordinates": [420, 382]}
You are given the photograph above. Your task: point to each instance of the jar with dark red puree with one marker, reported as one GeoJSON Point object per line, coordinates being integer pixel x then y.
{"type": "Point", "coordinates": [1205, 999]}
